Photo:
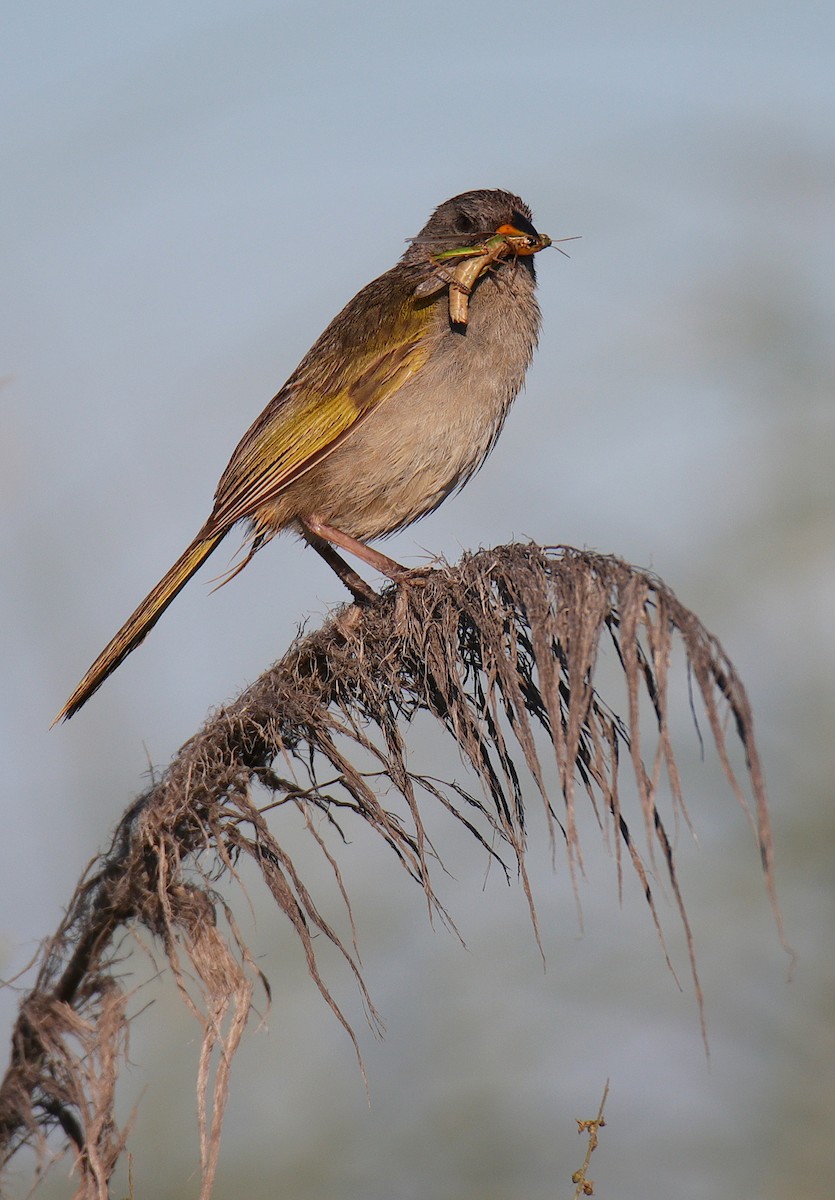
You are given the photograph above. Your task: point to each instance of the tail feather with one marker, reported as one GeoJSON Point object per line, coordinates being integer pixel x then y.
{"type": "Point", "coordinates": [144, 619]}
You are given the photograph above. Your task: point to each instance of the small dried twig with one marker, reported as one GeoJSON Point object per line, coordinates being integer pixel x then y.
{"type": "Point", "coordinates": [585, 1186]}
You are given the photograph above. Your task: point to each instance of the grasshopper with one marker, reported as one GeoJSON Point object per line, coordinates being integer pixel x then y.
{"type": "Point", "coordinates": [471, 263]}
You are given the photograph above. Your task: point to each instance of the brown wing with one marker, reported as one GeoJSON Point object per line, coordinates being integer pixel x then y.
{"type": "Point", "coordinates": [302, 429]}
{"type": "Point", "coordinates": [378, 342]}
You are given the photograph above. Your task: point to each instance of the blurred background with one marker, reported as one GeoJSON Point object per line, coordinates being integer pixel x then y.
{"type": "Point", "coordinates": [190, 193]}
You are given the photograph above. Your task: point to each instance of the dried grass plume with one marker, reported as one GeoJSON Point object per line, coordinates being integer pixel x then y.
{"type": "Point", "coordinates": [501, 650]}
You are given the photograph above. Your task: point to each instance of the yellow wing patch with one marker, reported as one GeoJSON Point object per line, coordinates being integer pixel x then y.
{"type": "Point", "coordinates": [299, 430]}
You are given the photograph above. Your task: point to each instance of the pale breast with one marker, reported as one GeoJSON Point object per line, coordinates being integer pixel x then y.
{"type": "Point", "coordinates": [430, 436]}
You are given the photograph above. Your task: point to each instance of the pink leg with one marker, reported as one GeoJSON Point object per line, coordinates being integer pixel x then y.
{"type": "Point", "coordinates": [362, 592]}
{"type": "Point", "coordinates": [380, 562]}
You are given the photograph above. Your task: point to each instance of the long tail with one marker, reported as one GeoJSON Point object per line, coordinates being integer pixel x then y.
{"type": "Point", "coordinates": [144, 619]}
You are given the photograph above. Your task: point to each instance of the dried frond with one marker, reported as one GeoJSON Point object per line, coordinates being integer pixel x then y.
{"type": "Point", "coordinates": [501, 650]}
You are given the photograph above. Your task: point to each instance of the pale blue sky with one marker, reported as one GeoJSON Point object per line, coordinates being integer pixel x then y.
{"type": "Point", "coordinates": [191, 191]}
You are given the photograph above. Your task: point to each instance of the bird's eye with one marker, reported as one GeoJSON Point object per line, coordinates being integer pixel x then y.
{"type": "Point", "coordinates": [464, 223]}
{"type": "Point", "coordinates": [522, 225]}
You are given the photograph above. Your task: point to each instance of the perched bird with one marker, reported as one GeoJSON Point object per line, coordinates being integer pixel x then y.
{"type": "Point", "coordinates": [393, 408]}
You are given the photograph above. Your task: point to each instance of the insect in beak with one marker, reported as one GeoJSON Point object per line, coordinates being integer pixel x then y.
{"type": "Point", "coordinates": [473, 261]}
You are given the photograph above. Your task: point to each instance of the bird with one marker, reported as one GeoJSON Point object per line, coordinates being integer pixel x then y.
{"type": "Point", "coordinates": [392, 409]}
